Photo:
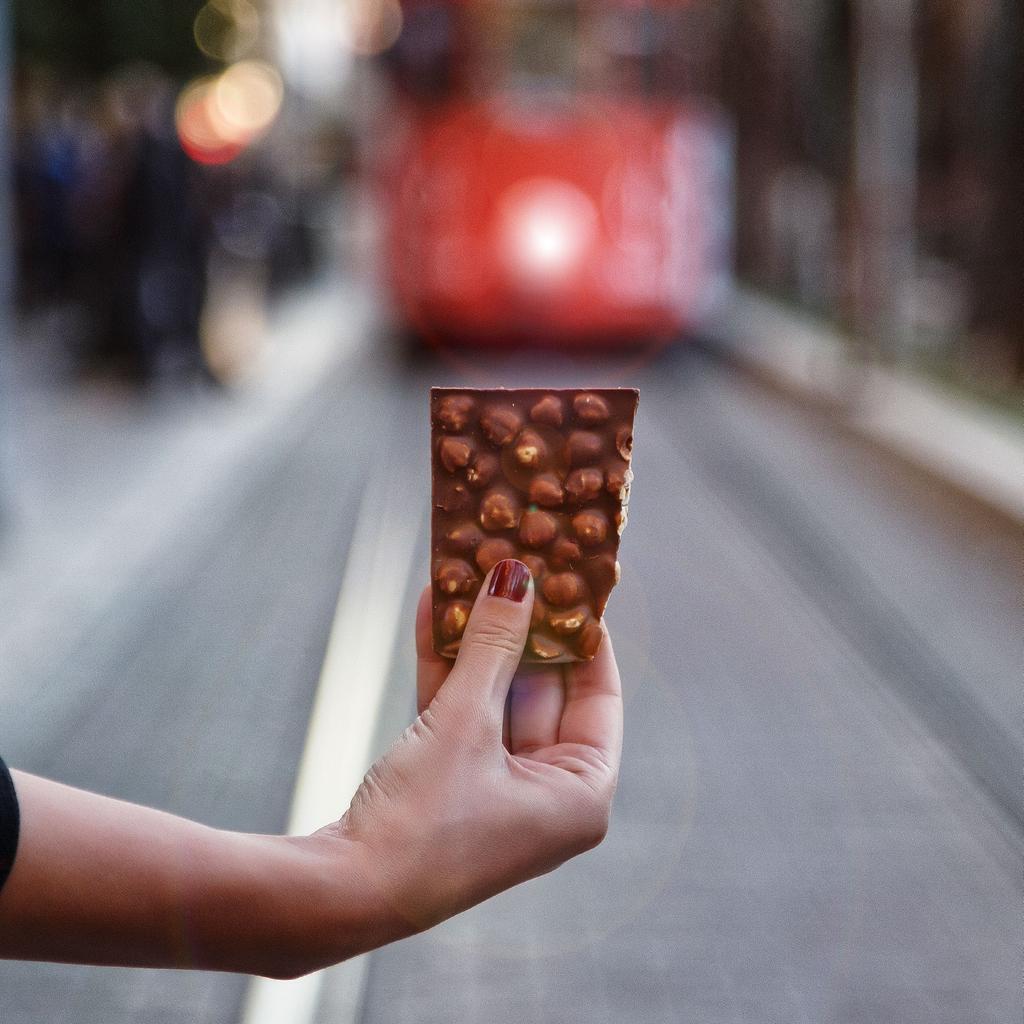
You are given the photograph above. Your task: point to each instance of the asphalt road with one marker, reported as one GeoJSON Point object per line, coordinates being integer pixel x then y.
{"type": "Point", "coordinates": [819, 817]}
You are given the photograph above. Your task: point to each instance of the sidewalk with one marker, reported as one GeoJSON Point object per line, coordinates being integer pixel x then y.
{"type": "Point", "coordinates": [98, 484]}
{"type": "Point", "coordinates": [964, 443]}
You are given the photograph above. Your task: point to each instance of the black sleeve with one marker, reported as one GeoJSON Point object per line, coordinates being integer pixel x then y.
{"type": "Point", "coordinates": [10, 822]}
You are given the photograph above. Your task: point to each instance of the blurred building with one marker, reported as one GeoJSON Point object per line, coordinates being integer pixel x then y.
{"type": "Point", "coordinates": [863, 126]}
{"type": "Point", "coordinates": [878, 144]}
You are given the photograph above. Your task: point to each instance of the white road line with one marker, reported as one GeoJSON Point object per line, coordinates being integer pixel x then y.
{"type": "Point", "coordinates": [351, 689]}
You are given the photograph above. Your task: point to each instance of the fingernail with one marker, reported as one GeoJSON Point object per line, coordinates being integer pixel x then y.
{"type": "Point", "coordinates": [510, 579]}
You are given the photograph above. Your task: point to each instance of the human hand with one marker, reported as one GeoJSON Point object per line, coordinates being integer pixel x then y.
{"type": "Point", "coordinates": [507, 772]}
{"type": "Point", "coordinates": [487, 788]}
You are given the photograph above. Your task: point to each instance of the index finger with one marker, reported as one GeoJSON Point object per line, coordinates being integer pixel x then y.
{"type": "Point", "coordinates": [431, 668]}
{"type": "Point", "coordinates": [593, 704]}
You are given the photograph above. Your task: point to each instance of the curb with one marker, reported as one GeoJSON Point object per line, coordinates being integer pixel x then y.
{"type": "Point", "coordinates": [961, 442]}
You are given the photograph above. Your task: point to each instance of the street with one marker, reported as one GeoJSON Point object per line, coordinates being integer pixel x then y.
{"type": "Point", "coordinates": [819, 817]}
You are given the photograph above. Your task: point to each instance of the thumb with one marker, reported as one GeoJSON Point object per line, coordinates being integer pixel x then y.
{"type": "Point", "coordinates": [493, 641]}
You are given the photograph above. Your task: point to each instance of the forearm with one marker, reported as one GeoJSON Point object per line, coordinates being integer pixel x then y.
{"type": "Point", "coordinates": [105, 882]}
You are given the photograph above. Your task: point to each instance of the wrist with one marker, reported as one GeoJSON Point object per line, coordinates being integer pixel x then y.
{"type": "Point", "coordinates": [282, 906]}
{"type": "Point", "coordinates": [349, 910]}
{"type": "Point", "coordinates": [319, 902]}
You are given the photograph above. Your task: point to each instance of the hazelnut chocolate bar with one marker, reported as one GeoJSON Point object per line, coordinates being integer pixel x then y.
{"type": "Point", "coordinates": [541, 475]}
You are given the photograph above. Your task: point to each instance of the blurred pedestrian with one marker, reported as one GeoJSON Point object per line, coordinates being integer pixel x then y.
{"type": "Point", "coordinates": [148, 235]}
{"type": "Point", "coordinates": [47, 168]}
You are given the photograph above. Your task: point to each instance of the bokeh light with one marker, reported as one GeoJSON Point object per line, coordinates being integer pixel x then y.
{"type": "Point", "coordinates": [546, 227]}
{"type": "Point", "coordinates": [371, 26]}
{"type": "Point", "coordinates": [197, 125]}
{"type": "Point", "coordinates": [226, 29]}
{"type": "Point", "coordinates": [219, 116]}
{"type": "Point", "coordinates": [247, 97]}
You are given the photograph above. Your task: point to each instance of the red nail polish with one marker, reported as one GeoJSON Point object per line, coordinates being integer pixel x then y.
{"type": "Point", "coordinates": [510, 579]}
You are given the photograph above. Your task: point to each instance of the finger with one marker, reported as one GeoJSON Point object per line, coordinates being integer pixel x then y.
{"type": "Point", "coordinates": [431, 668]}
{"type": "Point", "coordinates": [536, 701]}
{"type": "Point", "coordinates": [593, 704]}
{"type": "Point", "coordinates": [494, 638]}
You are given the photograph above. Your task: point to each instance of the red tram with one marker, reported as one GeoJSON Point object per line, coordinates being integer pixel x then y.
{"type": "Point", "coordinates": [552, 183]}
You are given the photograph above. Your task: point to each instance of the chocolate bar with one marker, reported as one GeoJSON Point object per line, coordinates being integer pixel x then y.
{"type": "Point", "coordinates": [541, 475]}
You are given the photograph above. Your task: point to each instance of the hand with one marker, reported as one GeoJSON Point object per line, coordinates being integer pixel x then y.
{"type": "Point", "coordinates": [507, 772]}
{"type": "Point", "coordinates": [485, 789]}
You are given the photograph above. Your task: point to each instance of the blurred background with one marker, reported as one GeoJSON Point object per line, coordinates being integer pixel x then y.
{"type": "Point", "coordinates": [238, 242]}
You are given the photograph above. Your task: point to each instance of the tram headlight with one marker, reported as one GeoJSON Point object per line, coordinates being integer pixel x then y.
{"type": "Point", "coordinates": [546, 227]}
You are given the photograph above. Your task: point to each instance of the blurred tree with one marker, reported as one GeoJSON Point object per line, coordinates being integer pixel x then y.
{"type": "Point", "coordinates": [90, 37]}
{"type": "Point", "coordinates": [786, 79]}
{"type": "Point", "coordinates": [757, 92]}
{"type": "Point", "coordinates": [882, 182]}
{"type": "Point", "coordinates": [972, 157]}
{"type": "Point", "coordinates": [997, 267]}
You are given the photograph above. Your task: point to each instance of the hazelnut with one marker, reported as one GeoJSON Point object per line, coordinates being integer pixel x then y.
{"type": "Point", "coordinates": [542, 647]}
{"type": "Point", "coordinates": [621, 518]}
{"type": "Point", "coordinates": [600, 573]}
{"type": "Point", "coordinates": [624, 442]}
{"type": "Point", "coordinates": [537, 529]}
{"type": "Point", "coordinates": [454, 620]}
{"type": "Point", "coordinates": [530, 449]}
{"type": "Point", "coordinates": [492, 551]}
{"type": "Point", "coordinates": [563, 589]}
{"type": "Point", "coordinates": [500, 424]}
{"type": "Point", "coordinates": [546, 490]}
{"type": "Point", "coordinates": [454, 453]}
{"type": "Point", "coordinates": [567, 621]}
{"type": "Point", "coordinates": [499, 511]}
{"type": "Point", "coordinates": [538, 568]}
{"type": "Point", "coordinates": [482, 470]}
{"type": "Point", "coordinates": [464, 537]}
{"type": "Point", "coordinates": [454, 498]}
{"type": "Point", "coordinates": [591, 527]}
{"type": "Point", "coordinates": [548, 410]}
{"type": "Point", "coordinates": [454, 412]}
{"type": "Point", "coordinates": [617, 574]}
{"type": "Point", "coordinates": [539, 613]}
{"type": "Point", "coordinates": [565, 552]}
{"type": "Point", "coordinates": [590, 409]}
{"type": "Point", "coordinates": [582, 447]}
{"type": "Point", "coordinates": [590, 637]}
{"type": "Point", "coordinates": [454, 576]}
{"type": "Point", "coordinates": [584, 484]}
{"type": "Point", "coordinates": [617, 481]}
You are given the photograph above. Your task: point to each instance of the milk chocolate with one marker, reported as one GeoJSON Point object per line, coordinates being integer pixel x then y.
{"type": "Point", "coordinates": [542, 475]}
